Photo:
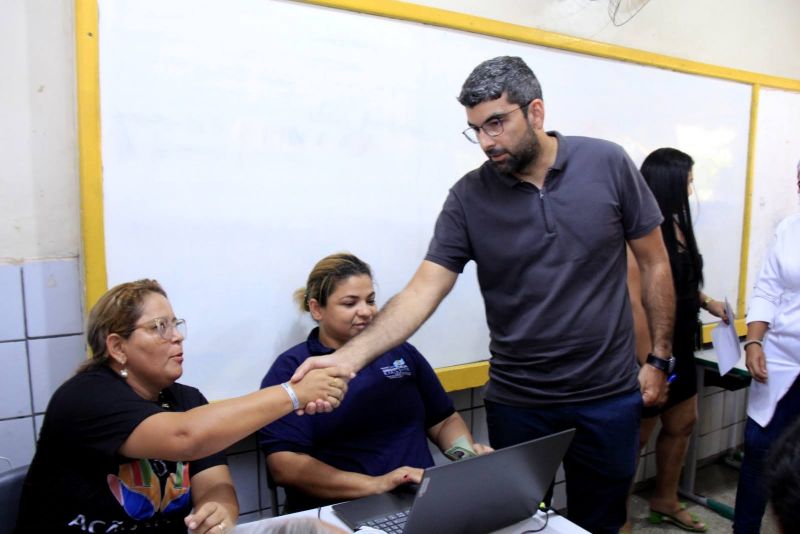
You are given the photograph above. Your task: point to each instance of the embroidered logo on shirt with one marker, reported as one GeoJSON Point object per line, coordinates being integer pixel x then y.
{"type": "Point", "coordinates": [398, 369]}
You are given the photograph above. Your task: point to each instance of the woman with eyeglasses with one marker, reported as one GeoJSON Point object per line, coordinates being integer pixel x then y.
{"type": "Point", "coordinates": [378, 439]}
{"type": "Point", "coordinates": [124, 447]}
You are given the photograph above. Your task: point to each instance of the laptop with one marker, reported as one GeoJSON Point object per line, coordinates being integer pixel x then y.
{"type": "Point", "coordinates": [474, 495]}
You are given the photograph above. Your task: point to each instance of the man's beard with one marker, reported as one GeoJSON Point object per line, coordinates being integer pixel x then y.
{"type": "Point", "coordinates": [520, 158]}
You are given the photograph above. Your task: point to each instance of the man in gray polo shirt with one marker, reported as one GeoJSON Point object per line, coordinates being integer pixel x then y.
{"type": "Point", "coordinates": [546, 219]}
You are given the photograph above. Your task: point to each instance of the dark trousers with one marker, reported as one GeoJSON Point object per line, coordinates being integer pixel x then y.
{"type": "Point", "coordinates": [601, 461]}
{"type": "Point", "coordinates": [751, 493]}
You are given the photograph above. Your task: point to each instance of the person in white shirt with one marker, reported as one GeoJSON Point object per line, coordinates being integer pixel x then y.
{"type": "Point", "coordinates": [773, 359]}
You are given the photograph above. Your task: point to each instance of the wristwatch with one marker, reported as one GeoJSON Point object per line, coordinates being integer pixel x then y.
{"type": "Point", "coordinates": [667, 365]}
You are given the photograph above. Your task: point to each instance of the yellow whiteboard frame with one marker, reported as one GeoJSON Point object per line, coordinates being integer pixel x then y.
{"type": "Point", "coordinates": [455, 377]}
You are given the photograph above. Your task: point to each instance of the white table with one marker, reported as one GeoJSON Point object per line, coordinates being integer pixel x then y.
{"type": "Point", "coordinates": [556, 524]}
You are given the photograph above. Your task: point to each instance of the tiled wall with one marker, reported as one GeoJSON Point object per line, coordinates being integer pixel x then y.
{"type": "Point", "coordinates": [41, 344]}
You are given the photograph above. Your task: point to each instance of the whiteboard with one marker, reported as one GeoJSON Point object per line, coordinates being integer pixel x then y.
{"type": "Point", "coordinates": [774, 173]}
{"type": "Point", "coordinates": [243, 140]}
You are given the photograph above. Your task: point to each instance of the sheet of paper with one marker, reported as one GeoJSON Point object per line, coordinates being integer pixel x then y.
{"type": "Point", "coordinates": [726, 342]}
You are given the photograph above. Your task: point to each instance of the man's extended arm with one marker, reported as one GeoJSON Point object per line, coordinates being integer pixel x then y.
{"type": "Point", "coordinates": [658, 297]}
{"type": "Point", "coordinates": [395, 323]}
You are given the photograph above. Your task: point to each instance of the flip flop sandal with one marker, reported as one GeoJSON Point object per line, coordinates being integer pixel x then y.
{"type": "Point", "coordinates": [695, 526]}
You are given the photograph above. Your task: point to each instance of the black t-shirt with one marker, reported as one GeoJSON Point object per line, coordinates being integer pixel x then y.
{"type": "Point", "coordinates": [77, 481]}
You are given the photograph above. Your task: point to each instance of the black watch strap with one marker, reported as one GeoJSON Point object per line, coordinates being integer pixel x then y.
{"type": "Point", "coordinates": [665, 365]}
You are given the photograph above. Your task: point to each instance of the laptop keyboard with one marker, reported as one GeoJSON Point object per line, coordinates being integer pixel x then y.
{"type": "Point", "coordinates": [390, 524]}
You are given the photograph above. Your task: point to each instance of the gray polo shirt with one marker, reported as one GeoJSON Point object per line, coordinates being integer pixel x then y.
{"type": "Point", "coordinates": [552, 270]}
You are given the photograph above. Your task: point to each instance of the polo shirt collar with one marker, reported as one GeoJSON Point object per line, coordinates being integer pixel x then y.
{"type": "Point", "coordinates": [558, 165]}
{"type": "Point", "coordinates": [561, 152]}
{"type": "Point", "coordinates": [315, 346]}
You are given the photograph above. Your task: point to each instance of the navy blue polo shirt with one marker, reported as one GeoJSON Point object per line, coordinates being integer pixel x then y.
{"type": "Point", "coordinates": [552, 269]}
{"type": "Point", "coordinates": [381, 424]}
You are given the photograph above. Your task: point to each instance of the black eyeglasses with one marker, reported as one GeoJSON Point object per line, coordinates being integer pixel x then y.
{"type": "Point", "coordinates": [493, 127]}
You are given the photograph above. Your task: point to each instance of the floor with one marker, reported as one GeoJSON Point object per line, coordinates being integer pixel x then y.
{"type": "Point", "coordinates": [716, 481]}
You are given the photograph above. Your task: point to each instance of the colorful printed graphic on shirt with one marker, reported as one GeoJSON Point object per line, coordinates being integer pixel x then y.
{"type": "Point", "coordinates": [398, 369]}
{"type": "Point", "coordinates": [138, 489]}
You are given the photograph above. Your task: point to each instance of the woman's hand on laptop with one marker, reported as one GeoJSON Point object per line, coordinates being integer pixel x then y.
{"type": "Point", "coordinates": [398, 477]}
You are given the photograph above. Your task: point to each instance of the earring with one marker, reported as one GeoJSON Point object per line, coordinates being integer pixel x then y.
{"type": "Point", "coordinates": [123, 373]}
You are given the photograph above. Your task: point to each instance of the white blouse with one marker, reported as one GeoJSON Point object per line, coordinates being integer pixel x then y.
{"type": "Point", "coordinates": [776, 300]}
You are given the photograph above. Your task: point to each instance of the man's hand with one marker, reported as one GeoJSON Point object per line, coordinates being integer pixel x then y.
{"type": "Point", "coordinates": [323, 362]}
{"type": "Point", "coordinates": [756, 362]}
{"type": "Point", "coordinates": [322, 389]}
{"type": "Point", "coordinates": [344, 371]}
{"type": "Point", "coordinates": [653, 383]}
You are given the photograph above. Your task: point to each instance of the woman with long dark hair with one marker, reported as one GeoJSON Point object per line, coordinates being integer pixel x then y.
{"type": "Point", "coordinates": [668, 173]}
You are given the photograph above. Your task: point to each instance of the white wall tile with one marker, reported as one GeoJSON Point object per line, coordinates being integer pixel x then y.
{"type": "Point", "coordinates": [480, 432]}
{"type": "Point", "coordinates": [649, 465]}
{"type": "Point", "coordinates": [477, 396]}
{"type": "Point", "coordinates": [15, 392]}
{"type": "Point", "coordinates": [52, 361]}
{"type": "Point", "coordinates": [735, 409]}
{"type": "Point", "coordinates": [640, 470]}
{"type": "Point", "coordinates": [711, 390]}
{"type": "Point", "coordinates": [651, 443]}
{"type": "Point", "coordinates": [52, 297]}
{"type": "Point", "coordinates": [734, 435]}
{"type": "Point", "coordinates": [249, 518]}
{"type": "Point", "coordinates": [16, 442]}
{"type": "Point", "coordinates": [710, 444]}
{"type": "Point", "coordinates": [462, 399]}
{"type": "Point", "coordinates": [12, 311]}
{"type": "Point", "coordinates": [265, 493]}
{"type": "Point", "coordinates": [244, 470]}
{"type": "Point", "coordinates": [438, 456]}
{"type": "Point", "coordinates": [38, 420]}
{"type": "Point", "coordinates": [247, 444]}
{"type": "Point", "coordinates": [559, 496]}
{"type": "Point", "coordinates": [711, 409]}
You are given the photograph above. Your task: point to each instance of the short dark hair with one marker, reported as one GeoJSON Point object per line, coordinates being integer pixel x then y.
{"type": "Point", "coordinates": [504, 74]}
{"type": "Point", "coordinates": [782, 472]}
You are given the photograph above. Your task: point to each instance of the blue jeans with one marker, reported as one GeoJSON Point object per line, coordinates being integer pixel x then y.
{"type": "Point", "coordinates": [601, 461]}
{"type": "Point", "coordinates": [751, 493]}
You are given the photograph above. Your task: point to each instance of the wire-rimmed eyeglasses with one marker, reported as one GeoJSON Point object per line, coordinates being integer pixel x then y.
{"type": "Point", "coordinates": [492, 127]}
{"type": "Point", "coordinates": [165, 328]}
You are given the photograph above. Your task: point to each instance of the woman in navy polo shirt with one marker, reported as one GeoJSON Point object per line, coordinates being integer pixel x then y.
{"type": "Point", "coordinates": [378, 438]}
